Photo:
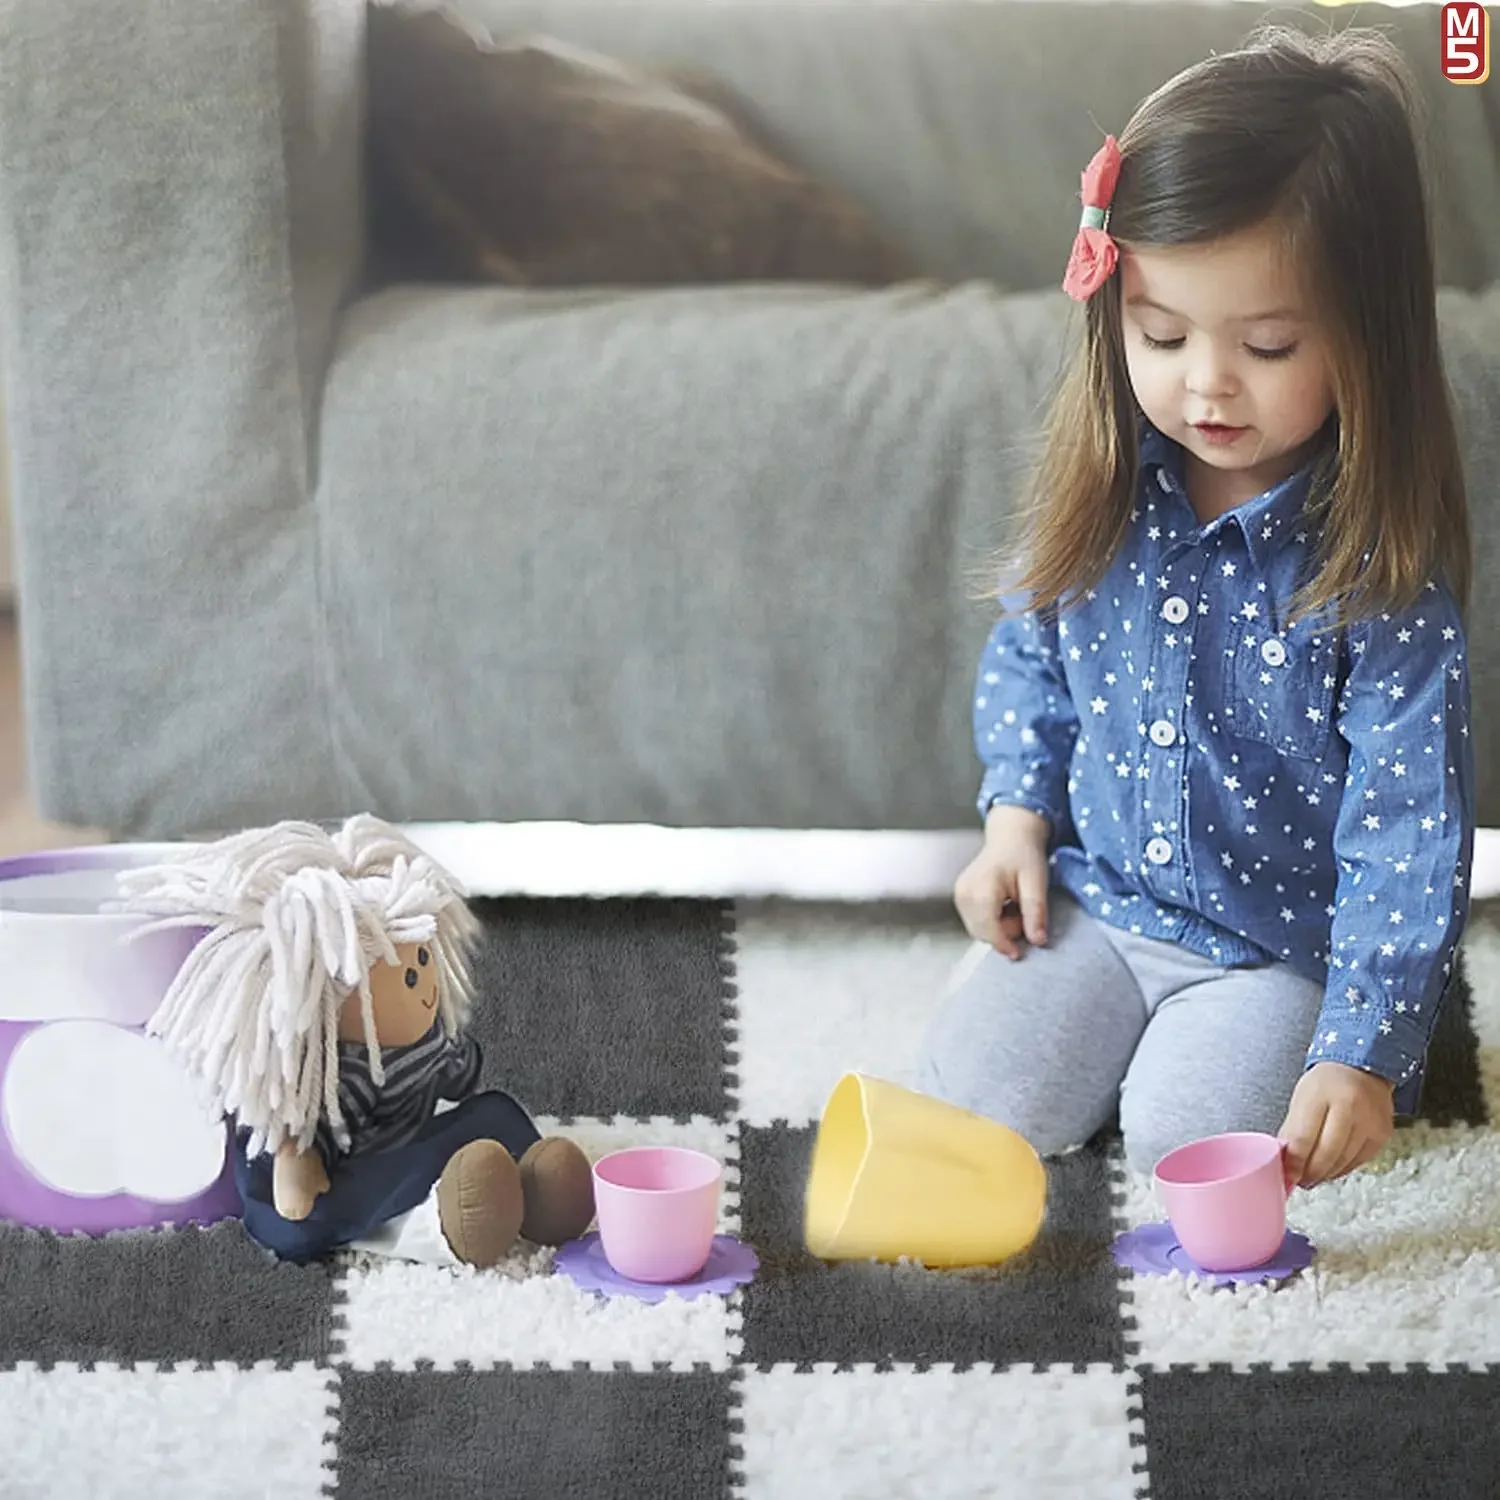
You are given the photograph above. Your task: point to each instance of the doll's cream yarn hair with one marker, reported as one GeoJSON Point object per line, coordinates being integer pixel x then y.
{"type": "Point", "coordinates": [299, 917]}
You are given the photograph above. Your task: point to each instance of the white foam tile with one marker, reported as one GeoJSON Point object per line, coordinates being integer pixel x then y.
{"type": "Point", "coordinates": [1408, 1267]}
{"type": "Point", "coordinates": [1407, 1270]}
{"type": "Point", "coordinates": [854, 986]}
{"type": "Point", "coordinates": [939, 1434]}
{"type": "Point", "coordinates": [524, 1314]}
{"type": "Point", "coordinates": [119, 1434]}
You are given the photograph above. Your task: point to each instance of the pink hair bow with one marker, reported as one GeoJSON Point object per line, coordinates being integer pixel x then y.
{"type": "Point", "coordinates": [1094, 252]}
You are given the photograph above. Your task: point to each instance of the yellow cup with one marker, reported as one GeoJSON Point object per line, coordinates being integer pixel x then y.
{"type": "Point", "coordinates": [899, 1174]}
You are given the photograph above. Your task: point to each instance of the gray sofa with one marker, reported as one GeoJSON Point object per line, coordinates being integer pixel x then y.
{"type": "Point", "coordinates": [692, 557]}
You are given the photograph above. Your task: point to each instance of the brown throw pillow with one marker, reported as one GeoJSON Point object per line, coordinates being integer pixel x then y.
{"type": "Point", "coordinates": [535, 163]}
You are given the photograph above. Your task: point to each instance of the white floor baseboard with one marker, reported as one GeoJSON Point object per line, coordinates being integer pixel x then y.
{"type": "Point", "coordinates": [577, 859]}
{"type": "Point", "coordinates": [624, 859]}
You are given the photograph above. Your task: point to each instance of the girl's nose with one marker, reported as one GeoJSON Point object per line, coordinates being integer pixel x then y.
{"type": "Point", "coordinates": [1210, 374]}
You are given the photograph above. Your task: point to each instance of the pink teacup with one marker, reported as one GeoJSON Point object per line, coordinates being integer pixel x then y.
{"type": "Point", "coordinates": [1226, 1197]}
{"type": "Point", "coordinates": [658, 1207]}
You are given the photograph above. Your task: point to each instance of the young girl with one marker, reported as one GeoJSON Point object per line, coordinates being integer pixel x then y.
{"type": "Point", "coordinates": [1228, 788]}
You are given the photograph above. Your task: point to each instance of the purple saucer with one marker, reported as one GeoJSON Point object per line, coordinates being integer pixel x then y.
{"type": "Point", "coordinates": [1153, 1250]}
{"type": "Point", "coordinates": [730, 1264]}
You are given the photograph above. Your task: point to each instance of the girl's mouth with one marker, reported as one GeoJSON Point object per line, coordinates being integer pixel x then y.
{"type": "Point", "coordinates": [1217, 433]}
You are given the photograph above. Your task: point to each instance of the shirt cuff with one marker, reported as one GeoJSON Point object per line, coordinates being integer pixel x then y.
{"type": "Point", "coordinates": [1387, 1045]}
{"type": "Point", "coordinates": [1003, 786]}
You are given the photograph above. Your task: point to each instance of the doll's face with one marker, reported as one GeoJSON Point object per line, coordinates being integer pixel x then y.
{"type": "Point", "coordinates": [404, 996]}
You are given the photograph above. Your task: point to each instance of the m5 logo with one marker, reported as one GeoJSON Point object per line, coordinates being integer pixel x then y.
{"type": "Point", "coordinates": [1466, 42]}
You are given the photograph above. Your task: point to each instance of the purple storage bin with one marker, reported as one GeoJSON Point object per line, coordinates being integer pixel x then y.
{"type": "Point", "coordinates": [99, 1129]}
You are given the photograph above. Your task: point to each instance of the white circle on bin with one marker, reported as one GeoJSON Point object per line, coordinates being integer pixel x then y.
{"type": "Point", "coordinates": [1158, 851]}
{"type": "Point", "coordinates": [93, 1110]}
{"type": "Point", "coordinates": [1175, 610]}
{"type": "Point", "coordinates": [1273, 653]}
{"type": "Point", "coordinates": [1162, 733]}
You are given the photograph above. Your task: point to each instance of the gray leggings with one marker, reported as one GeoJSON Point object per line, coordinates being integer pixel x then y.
{"type": "Point", "coordinates": [1054, 1042]}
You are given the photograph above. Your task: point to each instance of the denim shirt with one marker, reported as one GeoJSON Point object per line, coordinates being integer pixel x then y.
{"type": "Point", "coordinates": [1253, 790]}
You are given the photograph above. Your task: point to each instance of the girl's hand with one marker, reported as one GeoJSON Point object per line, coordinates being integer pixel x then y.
{"type": "Point", "coordinates": [1339, 1118]}
{"type": "Point", "coordinates": [1002, 894]}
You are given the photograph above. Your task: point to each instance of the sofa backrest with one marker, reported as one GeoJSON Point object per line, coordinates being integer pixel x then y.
{"type": "Point", "coordinates": [964, 126]}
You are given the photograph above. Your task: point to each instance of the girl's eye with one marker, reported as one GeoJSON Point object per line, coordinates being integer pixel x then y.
{"type": "Point", "coordinates": [411, 979]}
{"type": "Point", "coordinates": [1285, 352]}
{"type": "Point", "coordinates": [422, 957]}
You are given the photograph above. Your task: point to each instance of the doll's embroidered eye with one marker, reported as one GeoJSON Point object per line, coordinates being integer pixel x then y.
{"type": "Point", "coordinates": [411, 979]}
{"type": "Point", "coordinates": [422, 957]}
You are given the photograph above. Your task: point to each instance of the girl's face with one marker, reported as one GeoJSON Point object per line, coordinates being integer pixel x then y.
{"type": "Point", "coordinates": [1225, 356]}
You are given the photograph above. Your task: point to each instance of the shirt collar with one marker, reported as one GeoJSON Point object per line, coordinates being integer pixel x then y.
{"type": "Point", "coordinates": [1268, 522]}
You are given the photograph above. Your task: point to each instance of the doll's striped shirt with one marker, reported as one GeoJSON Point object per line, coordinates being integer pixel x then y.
{"type": "Point", "coordinates": [381, 1117]}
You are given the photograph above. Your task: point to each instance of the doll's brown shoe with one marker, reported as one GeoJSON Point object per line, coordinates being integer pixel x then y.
{"type": "Point", "coordinates": [480, 1202]}
{"type": "Point", "coordinates": [558, 1185]}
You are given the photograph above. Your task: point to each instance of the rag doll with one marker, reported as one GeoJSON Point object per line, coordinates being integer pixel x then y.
{"type": "Point", "coordinates": [324, 1010]}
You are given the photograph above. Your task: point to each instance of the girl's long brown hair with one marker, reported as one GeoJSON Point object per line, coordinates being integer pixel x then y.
{"type": "Point", "coordinates": [1314, 135]}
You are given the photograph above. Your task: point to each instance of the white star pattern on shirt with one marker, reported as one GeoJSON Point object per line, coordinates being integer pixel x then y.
{"type": "Point", "coordinates": [1350, 754]}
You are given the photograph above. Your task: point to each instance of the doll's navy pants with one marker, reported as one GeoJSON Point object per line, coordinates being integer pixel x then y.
{"type": "Point", "coordinates": [368, 1190]}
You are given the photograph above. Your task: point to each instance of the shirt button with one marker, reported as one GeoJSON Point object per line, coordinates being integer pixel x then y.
{"type": "Point", "coordinates": [1175, 610]}
{"type": "Point", "coordinates": [1162, 733]}
{"type": "Point", "coordinates": [1273, 653]}
{"type": "Point", "coordinates": [1158, 851]}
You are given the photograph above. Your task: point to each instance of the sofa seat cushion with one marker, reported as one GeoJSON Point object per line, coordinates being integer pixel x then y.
{"type": "Point", "coordinates": [688, 556]}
